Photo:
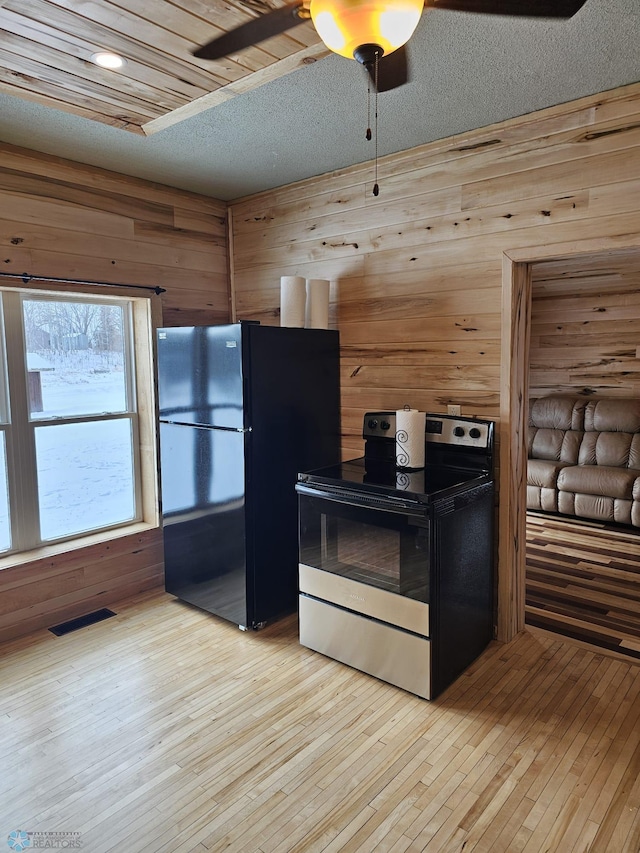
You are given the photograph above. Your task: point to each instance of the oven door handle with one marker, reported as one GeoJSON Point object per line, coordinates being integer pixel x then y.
{"type": "Point", "coordinates": [359, 499]}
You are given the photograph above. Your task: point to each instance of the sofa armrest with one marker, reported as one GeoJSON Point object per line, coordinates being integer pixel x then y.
{"type": "Point", "coordinates": [543, 473]}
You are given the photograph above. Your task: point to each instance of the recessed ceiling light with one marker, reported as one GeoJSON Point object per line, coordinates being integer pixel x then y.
{"type": "Point", "coordinates": [107, 60]}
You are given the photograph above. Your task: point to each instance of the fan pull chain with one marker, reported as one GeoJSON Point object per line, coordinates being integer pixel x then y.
{"type": "Point", "coordinates": [376, 188]}
{"type": "Point", "coordinates": [369, 135]}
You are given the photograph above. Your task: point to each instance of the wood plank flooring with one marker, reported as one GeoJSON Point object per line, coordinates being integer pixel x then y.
{"type": "Point", "coordinates": [583, 581]}
{"type": "Point", "coordinates": [165, 729]}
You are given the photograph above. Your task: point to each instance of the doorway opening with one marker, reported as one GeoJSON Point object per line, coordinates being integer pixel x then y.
{"type": "Point", "coordinates": [525, 273]}
{"type": "Point", "coordinates": [583, 574]}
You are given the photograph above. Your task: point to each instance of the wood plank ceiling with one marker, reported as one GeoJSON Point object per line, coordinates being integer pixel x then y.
{"type": "Point", "coordinates": [46, 48]}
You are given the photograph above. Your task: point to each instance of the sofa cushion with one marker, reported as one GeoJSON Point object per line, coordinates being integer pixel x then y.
{"type": "Point", "coordinates": [543, 473]}
{"type": "Point", "coordinates": [612, 414]}
{"type": "Point", "coordinates": [621, 449]}
{"type": "Point", "coordinates": [606, 448]}
{"type": "Point", "coordinates": [555, 428]}
{"type": "Point", "coordinates": [554, 444]}
{"type": "Point", "coordinates": [557, 412]}
{"type": "Point", "coordinates": [598, 480]}
{"type": "Point", "coordinates": [541, 498]}
{"type": "Point", "coordinates": [597, 507]}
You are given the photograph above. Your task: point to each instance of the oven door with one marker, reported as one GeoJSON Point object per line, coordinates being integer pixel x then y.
{"type": "Point", "coordinates": [366, 552]}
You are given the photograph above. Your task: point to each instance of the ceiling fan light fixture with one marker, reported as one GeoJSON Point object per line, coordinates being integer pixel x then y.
{"type": "Point", "coordinates": [397, 25]}
{"type": "Point", "coordinates": [330, 32]}
{"type": "Point", "coordinates": [346, 25]}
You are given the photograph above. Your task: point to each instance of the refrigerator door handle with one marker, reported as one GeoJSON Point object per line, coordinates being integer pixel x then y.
{"type": "Point", "coordinates": [205, 426]}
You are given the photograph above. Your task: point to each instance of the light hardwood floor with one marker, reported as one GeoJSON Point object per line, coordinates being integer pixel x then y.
{"type": "Point", "coordinates": [583, 581]}
{"type": "Point", "coordinates": [165, 729]}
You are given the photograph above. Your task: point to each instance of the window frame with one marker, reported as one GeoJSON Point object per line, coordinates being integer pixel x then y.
{"type": "Point", "coordinates": [19, 424]}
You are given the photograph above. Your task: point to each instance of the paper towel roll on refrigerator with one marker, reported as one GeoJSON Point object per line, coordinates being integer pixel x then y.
{"type": "Point", "coordinates": [317, 303]}
{"type": "Point", "coordinates": [293, 297]}
{"type": "Point", "coordinates": [410, 438]}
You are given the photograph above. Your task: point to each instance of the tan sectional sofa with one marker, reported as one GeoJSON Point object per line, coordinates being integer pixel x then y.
{"type": "Point", "coordinates": [584, 457]}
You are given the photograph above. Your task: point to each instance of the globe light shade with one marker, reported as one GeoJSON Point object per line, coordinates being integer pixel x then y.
{"type": "Point", "coordinates": [345, 25]}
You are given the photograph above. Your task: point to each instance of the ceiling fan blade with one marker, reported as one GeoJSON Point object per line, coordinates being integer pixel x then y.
{"type": "Point", "coordinates": [524, 8]}
{"type": "Point", "coordinates": [254, 31]}
{"type": "Point", "coordinates": [393, 70]}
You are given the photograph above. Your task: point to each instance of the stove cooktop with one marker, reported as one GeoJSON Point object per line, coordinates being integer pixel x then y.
{"type": "Point", "coordinates": [385, 478]}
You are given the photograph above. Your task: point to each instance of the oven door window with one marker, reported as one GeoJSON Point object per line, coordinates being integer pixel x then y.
{"type": "Point", "coordinates": [388, 550]}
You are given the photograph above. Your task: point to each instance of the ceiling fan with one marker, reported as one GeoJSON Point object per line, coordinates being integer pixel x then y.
{"type": "Point", "coordinates": [373, 32]}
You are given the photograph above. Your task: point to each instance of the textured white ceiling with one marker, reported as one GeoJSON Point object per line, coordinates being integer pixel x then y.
{"type": "Point", "coordinates": [468, 71]}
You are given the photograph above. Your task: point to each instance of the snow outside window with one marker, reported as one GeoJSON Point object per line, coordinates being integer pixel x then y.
{"type": "Point", "coordinates": [69, 460]}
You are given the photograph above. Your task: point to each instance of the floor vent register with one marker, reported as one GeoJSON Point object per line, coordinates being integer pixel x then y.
{"type": "Point", "coordinates": [81, 622]}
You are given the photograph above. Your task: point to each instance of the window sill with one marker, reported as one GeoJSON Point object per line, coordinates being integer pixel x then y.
{"type": "Point", "coordinates": [46, 551]}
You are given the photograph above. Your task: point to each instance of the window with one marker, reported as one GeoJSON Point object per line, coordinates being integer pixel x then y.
{"type": "Point", "coordinates": [69, 431]}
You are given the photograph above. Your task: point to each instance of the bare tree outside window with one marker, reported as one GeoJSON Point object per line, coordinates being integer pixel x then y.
{"type": "Point", "coordinates": [74, 345]}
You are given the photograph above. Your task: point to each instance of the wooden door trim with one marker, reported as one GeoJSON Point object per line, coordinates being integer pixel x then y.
{"type": "Point", "coordinates": [516, 324]}
{"type": "Point", "coordinates": [514, 382]}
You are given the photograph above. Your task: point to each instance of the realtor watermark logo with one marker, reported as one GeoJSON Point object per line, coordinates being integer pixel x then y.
{"type": "Point", "coordinates": [20, 840]}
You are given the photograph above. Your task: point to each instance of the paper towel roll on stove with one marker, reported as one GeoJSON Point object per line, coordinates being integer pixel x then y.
{"type": "Point", "coordinates": [410, 438]}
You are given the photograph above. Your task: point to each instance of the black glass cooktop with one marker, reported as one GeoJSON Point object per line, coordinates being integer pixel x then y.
{"type": "Point", "coordinates": [385, 478]}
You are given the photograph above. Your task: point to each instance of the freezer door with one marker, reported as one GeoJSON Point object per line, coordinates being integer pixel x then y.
{"type": "Point", "coordinates": [200, 375]}
{"type": "Point", "coordinates": [294, 390]}
{"type": "Point", "coordinates": [203, 509]}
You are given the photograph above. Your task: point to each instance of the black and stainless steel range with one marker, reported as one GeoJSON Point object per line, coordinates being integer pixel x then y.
{"type": "Point", "coordinates": [396, 567]}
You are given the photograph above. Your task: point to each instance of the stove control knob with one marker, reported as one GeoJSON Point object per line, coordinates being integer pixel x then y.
{"type": "Point", "coordinates": [372, 424]}
{"type": "Point", "coordinates": [458, 431]}
{"type": "Point", "coordinates": [474, 432]}
{"type": "Point", "coordinates": [385, 425]}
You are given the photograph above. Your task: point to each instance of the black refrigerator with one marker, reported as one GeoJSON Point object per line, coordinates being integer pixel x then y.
{"type": "Point", "coordinates": [243, 409]}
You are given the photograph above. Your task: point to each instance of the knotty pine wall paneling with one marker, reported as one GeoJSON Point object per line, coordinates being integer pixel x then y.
{"type": "Point", "coordinates": [69, 220]}
{"type": "Point", "coordinates": [417, 272]}
{"type": "Point", "coordinates": [585, 327]}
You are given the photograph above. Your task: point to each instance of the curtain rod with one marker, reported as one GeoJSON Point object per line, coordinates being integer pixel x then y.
{"type": "Point", "coordinates": [27, 278]}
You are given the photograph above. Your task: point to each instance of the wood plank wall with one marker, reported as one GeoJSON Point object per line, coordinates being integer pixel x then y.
{"type": "Point", "coordinates": [417, 271]}
{"type": "Point", "coordinates": [61, 218]}
{"type": "Point", "coordinates": [585, 327]}
{"type": "Point", "coordinates": [69, 220]}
